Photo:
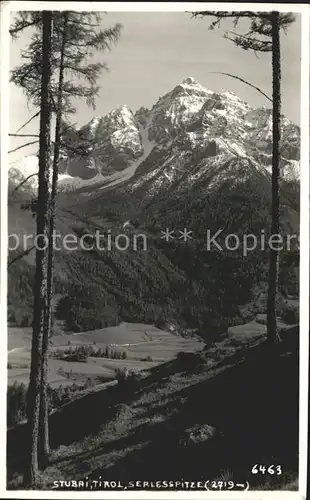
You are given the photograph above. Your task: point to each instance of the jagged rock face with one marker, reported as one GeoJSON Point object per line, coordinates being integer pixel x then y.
{"type": "Point", "coordinates": [190, 130]}
{"type": "Point", "coordinates": [177, 109]}
{"type": "Point", "coordinates": [199, 434]}
{"type": "Point", "coordinates": [114, 143]}
{"type": "Point", "coordinates": [206, 138]}
{"type": "Point", "coordinates": [141, 116]}
{"type": "Point", "coordinates": [85, 168]}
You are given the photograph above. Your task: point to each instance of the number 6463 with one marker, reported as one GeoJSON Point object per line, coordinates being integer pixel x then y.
{"type": "Point", "coordinates": [270, 469]}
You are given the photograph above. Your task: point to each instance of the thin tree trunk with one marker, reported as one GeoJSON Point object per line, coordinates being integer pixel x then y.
{"type": "Point", "coordinates": [40, 285]}
{"type": "Point", "coordinates": [44, 448]}
{"type": "Point", "coordinates": [272, 334]}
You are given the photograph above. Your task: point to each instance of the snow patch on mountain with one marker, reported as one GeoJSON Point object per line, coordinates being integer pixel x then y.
{"type": "Point", "coordinates": [188, 124]}
{"type": "Point", "coordinates": [147, 147]}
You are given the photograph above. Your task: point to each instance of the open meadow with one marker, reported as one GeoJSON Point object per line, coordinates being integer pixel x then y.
{"type": "Point", "coordinates": [145, 346]}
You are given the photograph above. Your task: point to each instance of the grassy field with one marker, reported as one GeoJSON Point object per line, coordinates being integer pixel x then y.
{"type": "Point", "coordinates": [139, 341]}
{"type": "Point", "coordinates": [128, 432]}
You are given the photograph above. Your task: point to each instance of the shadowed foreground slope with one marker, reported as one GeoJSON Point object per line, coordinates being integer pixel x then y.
{"type": "Point", "coordinates": [135, 431]}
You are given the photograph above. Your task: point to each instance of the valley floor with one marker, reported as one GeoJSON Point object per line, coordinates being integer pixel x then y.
{"type": "Point", "coordinates": [145, 346]}
{"type": "Point", "coordinates": [134, 432]}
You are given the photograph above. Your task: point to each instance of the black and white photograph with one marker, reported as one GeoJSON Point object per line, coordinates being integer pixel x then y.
{"type": "Point", "coordinates": [155, 249]}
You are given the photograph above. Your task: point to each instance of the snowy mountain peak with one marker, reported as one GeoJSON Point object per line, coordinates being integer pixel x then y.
{"type": "Point", "coordinates": [189, 81]}
{"type": "Point", "coordinates": [189, 121]}
{"type": "Point", "coordinates": [122, 116]}
{"type": "Point", "coordinates": [121, 110]}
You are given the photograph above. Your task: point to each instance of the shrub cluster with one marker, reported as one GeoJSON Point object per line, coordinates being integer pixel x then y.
{"type": "Point", "coordinates": [127, 378]}
{"type": "Point", "coordinates": [16, 403]}
{"type": "Point", "coordinates": [290, 314]}
{"type": "Point", "coordinates": [82, 353]}
{"type": "Point", "coordinates": [149, 359]}
{"type": "Point", "coordinates": [191, 362]}
{"type": "Point", "coordinates": [17, 399]}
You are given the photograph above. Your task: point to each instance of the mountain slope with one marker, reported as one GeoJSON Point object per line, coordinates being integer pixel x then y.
{"type": "Point", "coordinates": [196, 160]}
{"type": "Point", "coordinates": [211, 415]}
{"type": "Point", "coordinates": [188, 119]}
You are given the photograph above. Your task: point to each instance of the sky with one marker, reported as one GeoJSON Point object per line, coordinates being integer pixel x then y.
{"type": "Point", "coordinates": [156, 51]}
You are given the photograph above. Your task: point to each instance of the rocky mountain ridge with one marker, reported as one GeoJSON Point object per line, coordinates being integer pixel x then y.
{"type": "Point", "coordinates": [191, 129]}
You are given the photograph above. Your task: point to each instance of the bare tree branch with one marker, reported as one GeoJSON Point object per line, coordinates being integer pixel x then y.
{"type": "Point", "coordinates": [24, 135]}
{"type": "Point", "coordinates": [265, 45]}
{"type": "Point", "coordinates": [243, 81]}
{"type": "Point", "coordinates": [21, 255]}
{"type": "Point", "coordinates": [32, 118]}
{"type": "Point", "coordinates": [24, 181]}
{"type": "Point", "coordinates": [248, 43]}
{"type": "Point", "coordinates": [13, 31]}
{"type": "Point", "coordinates": [23, 146]}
